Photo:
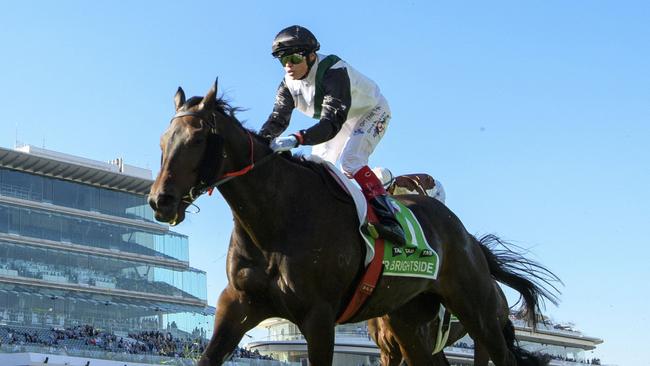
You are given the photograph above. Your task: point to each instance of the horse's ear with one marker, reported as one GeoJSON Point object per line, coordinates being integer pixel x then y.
{"type": "Point", "coordinates": [211, 98]}
{"type": "Point", "coordinates": [179, 98]}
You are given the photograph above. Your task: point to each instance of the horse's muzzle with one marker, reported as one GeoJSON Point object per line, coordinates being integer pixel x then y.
{"type": "Point", "coordinates": [165, 207]}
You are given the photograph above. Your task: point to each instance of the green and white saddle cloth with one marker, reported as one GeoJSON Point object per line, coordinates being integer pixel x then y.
{"type": "Point", "coordinates": [416, 259]}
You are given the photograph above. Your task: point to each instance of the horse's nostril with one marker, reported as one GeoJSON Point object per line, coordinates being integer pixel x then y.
{"type": "Point", "coordinates": [161, 201]}
{"type": "Point", "coordinates": [152, 202]}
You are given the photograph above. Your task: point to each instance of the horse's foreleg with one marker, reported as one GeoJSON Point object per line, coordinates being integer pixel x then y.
{"type": "Point", "coordinates": [481, 356]}
{"type": "Point", "coordinates": [235, 316]}
{"type": "Point", "coordinates": [318, 329]}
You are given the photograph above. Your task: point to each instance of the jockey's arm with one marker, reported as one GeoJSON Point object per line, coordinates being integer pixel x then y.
{"type": "Point", "coordinates": [279, 119]}
{"type": "Point", "coordinates": [336, 103]}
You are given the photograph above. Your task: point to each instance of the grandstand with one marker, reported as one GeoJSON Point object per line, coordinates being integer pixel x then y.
{"type": "Point", "coordinates": [84, 268]}
{"type": "Point", "coordinates": [353, 346]}
{"type": "Point", "coordinates": [83, 344]}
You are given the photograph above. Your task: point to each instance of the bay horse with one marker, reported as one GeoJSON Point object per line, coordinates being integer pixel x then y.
{"type": "Point", "coordinates": [295, 251]}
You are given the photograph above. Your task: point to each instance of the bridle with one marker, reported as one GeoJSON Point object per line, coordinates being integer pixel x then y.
{"type": "Point", "coordinates": [208, 181]}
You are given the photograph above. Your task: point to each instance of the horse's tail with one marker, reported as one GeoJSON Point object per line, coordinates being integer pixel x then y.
{"type": "Point", "coordinates": [523, 357]}
{"type": "Point", "coordinates": [532, 280]}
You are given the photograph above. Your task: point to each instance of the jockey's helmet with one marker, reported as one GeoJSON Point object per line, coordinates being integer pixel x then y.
{"type": "Point", "coordinates": [294, 39]}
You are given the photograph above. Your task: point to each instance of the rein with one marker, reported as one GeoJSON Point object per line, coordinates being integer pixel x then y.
{"type": "Point", "coordinates": [203, 187]}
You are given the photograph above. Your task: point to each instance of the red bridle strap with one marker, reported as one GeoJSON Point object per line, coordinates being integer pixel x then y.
{"type": "Point", "coordinates": [242, 171]}
{"type": "Point", "coordinates": [247, 168]}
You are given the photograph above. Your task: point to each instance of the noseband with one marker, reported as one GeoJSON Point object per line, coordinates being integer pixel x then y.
{"type": "Point", "coordinates": [208, 180]}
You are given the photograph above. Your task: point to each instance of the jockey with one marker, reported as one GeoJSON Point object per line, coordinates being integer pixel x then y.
{"type": "Point", "coordinates": [352, 113]}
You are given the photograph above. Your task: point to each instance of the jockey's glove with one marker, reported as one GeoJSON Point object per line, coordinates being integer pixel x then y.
{"type": "Point", "coordinates": [284, 143]}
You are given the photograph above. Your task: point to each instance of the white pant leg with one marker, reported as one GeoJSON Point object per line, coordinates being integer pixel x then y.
{"type": "Point", "coordinates": [367, 133]}
{"type": "Point", "coordinates": [331, 150]}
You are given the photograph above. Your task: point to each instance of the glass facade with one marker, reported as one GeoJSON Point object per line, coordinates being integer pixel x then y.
{"type": "Point", "coordinates": [33, 307]}
{"type": "Point", "coordinates": [42, 284]}
{"type": "Point", "coordinates": [87, 270]}
{"type": "Point", "coordinates": [288, 331]}
{"type": "Point", "coordinates": [573, 354]}
{"type": "Point", "coordinates": [80, 196]}
{"type": "Point", "coordinates": [59, 227]}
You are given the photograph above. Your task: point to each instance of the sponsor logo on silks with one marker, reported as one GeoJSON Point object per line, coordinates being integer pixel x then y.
{"type": "Point", "coordinates": [426, 253]}
{"type": "Point", "coordinates": [397, 251]}
{"type": "Point", "coordinates": [409, 251]}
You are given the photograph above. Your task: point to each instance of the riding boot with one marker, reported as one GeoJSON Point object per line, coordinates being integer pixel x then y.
{"type": "Point", "coordinates": [388, 227]}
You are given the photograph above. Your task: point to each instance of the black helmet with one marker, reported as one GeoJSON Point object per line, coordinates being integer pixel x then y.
{"type": "Point", "coordinates": [294, 39]}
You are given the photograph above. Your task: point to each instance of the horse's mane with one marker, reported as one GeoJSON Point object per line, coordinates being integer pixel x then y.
{"type": "Point", "coordinates": [224, 107]}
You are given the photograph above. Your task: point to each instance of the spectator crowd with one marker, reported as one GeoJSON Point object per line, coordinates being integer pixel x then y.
{"type": "Point", "coordinates": [87, 337]}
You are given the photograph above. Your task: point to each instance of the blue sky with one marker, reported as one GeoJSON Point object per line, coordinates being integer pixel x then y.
{"type": "Point", "coordinates": [534, 115]}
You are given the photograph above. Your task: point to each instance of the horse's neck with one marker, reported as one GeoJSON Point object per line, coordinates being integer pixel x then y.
{"type": "Point", "coordinates": [263, 199]}
{"type": "Point", "coordinates": [262, 195]}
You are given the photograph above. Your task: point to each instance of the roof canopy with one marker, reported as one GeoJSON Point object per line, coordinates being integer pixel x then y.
{"type": "Point", "coordinates": [72, 171]}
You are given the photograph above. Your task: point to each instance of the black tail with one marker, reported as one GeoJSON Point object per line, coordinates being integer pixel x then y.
{"type": "Point", "coordinates": [532, 280]}
{"type": "Point", "coordinates": [524, 358]}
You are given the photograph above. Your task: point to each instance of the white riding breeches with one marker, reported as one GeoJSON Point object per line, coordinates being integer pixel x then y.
{"type": "Point", "coordinates": [356, 140]}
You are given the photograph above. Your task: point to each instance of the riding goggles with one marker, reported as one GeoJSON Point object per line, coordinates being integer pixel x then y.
{"type": "Point", "coordinates": [294, 59]}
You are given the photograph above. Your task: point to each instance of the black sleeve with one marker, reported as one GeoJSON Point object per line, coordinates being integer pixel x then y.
{"type": "Point", "coordinates": [279, 119]}
{"type": "Point", "coordinates": [336, 103]}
